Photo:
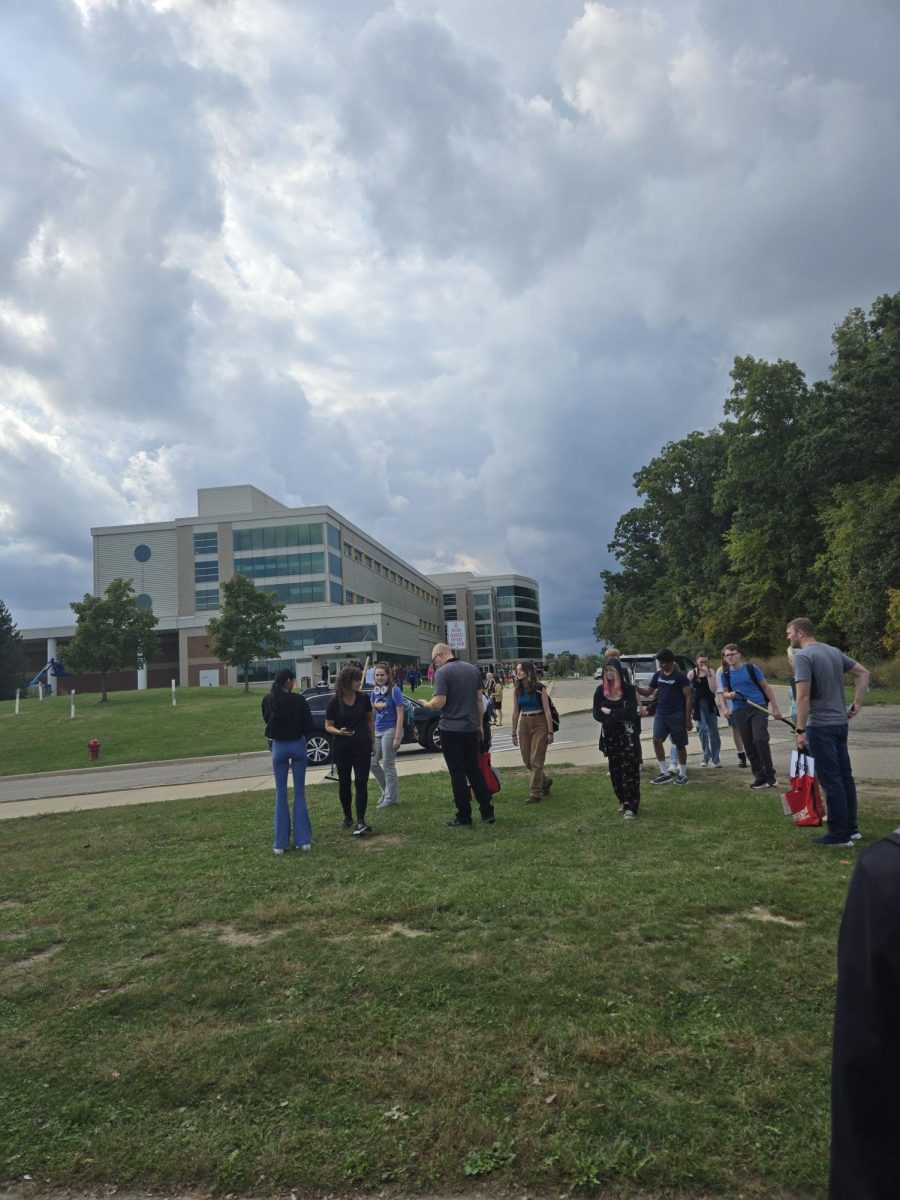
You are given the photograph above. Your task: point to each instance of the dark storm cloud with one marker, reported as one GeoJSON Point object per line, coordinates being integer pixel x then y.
{"type": "Point", "coordinates": [456, 269]}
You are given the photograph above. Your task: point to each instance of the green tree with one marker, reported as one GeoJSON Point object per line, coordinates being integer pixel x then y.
{"type": "Point", "coordinates": [12, 654]}
{"type": "Point", "coordinates": [250, 625]}
{"type": "Point", "coordinates": [112, 633]}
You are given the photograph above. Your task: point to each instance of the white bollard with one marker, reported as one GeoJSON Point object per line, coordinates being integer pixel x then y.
{"type": "Point", "coordinates": [71, 706]}
{"type": "Point", "coordinates": [18, 692]}
{"type": "Point", "coordinates": [174, 703]}
{"type": "Point", "coordinates": [41, 692]}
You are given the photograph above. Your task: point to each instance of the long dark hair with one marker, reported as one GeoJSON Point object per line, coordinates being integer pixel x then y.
{"type": "Point", "coordinates": [530, 683]}
{"type": "Point", "coordinates": [278, 692]}
{"type": "Point", "coordinates": [346, 678]}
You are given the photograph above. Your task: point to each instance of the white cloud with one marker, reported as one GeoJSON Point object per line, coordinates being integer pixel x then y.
{"type": "Point", "coordinates": [457, 269]}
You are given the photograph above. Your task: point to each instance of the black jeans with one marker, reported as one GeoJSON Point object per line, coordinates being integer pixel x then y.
{"type": "Point", "coordinates": [461, 753]}
{"type": "Point", "coordinates": [356, 757]}
{"type": "Point", "coordinates": [753, 727]}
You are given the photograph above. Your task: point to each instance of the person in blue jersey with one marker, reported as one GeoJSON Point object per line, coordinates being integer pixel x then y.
{"type": "Point", "coordinates": [288, 724]}
{"type": "Point", "coordinates": [387, 701]}
{"type": "Point", "coordinates": [743, 682]}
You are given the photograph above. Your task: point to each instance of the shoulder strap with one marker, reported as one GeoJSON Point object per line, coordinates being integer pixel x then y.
{"type": "Point", "coordinates": [754, 675]}
{"type": "Point", "coordinates": [726, 675]}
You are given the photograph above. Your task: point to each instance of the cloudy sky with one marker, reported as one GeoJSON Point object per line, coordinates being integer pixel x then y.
{"type": "Point", "coordinates": [455, 267]}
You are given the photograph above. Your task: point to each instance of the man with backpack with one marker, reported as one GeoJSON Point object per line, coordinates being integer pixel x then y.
{"type": "Point", "coordinates": [743, 682]}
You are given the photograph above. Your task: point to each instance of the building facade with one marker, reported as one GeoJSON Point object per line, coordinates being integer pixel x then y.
{"type": "Point", "coordinates": [345, 595]}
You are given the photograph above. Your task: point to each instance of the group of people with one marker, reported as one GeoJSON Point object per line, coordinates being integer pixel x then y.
{"type": "Point", "coordinates": [738, 691]}
{"type": "Point", "coordinates": [367, 731]}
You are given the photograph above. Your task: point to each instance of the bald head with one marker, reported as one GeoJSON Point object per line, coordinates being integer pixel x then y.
{"type": "Point", "coordinates": [440, 653]}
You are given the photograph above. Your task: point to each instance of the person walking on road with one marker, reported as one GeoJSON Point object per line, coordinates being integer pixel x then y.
{"type": "Point", "coordinates": [288, 724]}
{"type": "Point", "coordinates": [672, 718]}
{"type": "Point", "coordinates": [703, 684]}
{"type": "Point", "coordinates": [823, 723]}
{"type": "Point", "coordinates": [458, 698]}
{"type": "Point", "coordinates": [351, 723]}
{"type": "Point", "coordinates": [616, 708]}
{"type": "Point", "coordinates": [532, 728]}
{"type": "Point", "coordinates": [743, 682]}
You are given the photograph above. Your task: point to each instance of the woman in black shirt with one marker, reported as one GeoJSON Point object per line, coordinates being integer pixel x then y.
{"type": "Point", "coordinates": [616, 708]}
{"type": "Point", "coordinates": [288, 723]}
{"type": "Point", "coordinates": [351, 722]}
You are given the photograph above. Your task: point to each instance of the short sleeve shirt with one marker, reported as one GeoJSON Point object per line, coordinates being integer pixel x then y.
{"type": "Point", "coordinates": [823, 666]}
{"type": "Point", "coordinates": [670, 692]}
{"type": "Point", "coordinates": [351, 716]}
{"type": "Point", "coordinates": [386, 705]}
{"type": "Point", "coordinates": [460, 683]}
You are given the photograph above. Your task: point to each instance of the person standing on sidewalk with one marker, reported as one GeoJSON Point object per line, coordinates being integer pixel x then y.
{"type": "Point", "coordinates": [703, 684]}
{"type": "Point", "coordinates": [390, 711]}
{"type": "Point", "coordinates": [727, 713]}
{"type": "Point", "coordinates": [288, 724]}
{"type": "Point", "coordinates": [743, 682]}
{"type": "Point", "coordinates": [457, 697]}
{"type": "Point", "coordinates": [823, 723]}
{"type": "Point", "coordinates": [532, 728]}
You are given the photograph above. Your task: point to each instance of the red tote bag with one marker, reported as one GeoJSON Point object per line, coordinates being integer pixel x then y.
{"type": "Point", "coordinates": [803, 802]}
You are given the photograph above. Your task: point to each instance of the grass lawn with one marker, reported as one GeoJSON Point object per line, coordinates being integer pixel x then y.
{"type": "Point", "coordinates": [561, 1001]}
{"type": "Point", "coordinates": [132, 727]}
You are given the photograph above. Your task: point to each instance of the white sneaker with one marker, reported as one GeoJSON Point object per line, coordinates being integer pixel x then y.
{"type": "Point", "coordinates": [278, 851]}
{"type": "Point", "coordinates": [630, 816]}
{"type": "Point", "coordinates": [387, 803]}
{"type": "Point", "coordinates": [306, 847]}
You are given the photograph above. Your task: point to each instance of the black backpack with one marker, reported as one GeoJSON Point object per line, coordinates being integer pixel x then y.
{"type": "Point", "coordinates": [754, 675]}
{"type": "Point", "coordinates": [554, 715]}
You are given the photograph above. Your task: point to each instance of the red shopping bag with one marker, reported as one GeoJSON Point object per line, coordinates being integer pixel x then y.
{"type": "Point", "coordinates": [804, 800]}
{"type": "Point", "coordinates": [490, 773]}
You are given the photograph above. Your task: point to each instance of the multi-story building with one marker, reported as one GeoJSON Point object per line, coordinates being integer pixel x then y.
{"type": "Point", "coordinates": [501, 613]}
{"type": "Point", "coordinates": [345, 595]}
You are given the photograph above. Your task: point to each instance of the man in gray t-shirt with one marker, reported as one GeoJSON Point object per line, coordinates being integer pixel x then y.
{"type": "Point", "coordinates": [457, 696]}
{"type": "Point", "coordinates": [823, 723]}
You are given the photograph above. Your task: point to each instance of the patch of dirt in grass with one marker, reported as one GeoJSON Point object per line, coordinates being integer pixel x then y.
{"type": "Point", "coordinates": [11, 904]}
{"type": "Point", "coordinates": [11, 937]}
{"type": "Point", "coordinates": [760, 913]}
{"type": "Point", "coordinates": [381, 841]}
{"type": "Point", "coordinates": [233, 936]}
{"type": "Point", "coordinates": [34, 960]}
{"type": "Point", "coordinates": [397, 929]}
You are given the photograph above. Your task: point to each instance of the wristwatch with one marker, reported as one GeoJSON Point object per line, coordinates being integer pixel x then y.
{"type": "Point", "coordinates": [798, 730]}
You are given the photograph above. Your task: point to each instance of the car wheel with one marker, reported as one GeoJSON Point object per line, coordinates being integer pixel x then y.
{"type": "Point", "coordinates": [433, 737]}
{"type": "Point", "coordinates": [318, 750]}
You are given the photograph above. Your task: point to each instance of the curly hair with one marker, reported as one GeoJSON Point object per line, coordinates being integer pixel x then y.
{"type": "Point", "coordinates": [346, 678]}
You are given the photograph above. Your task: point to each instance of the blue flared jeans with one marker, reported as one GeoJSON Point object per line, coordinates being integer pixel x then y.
{"type": "Point", "coordinates": [293, 755]}
{"type": "Point", "coordinates": [708, 728]}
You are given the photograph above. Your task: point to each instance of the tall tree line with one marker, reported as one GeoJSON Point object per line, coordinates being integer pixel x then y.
{"type": "Point", "coordinates": [789, 507]}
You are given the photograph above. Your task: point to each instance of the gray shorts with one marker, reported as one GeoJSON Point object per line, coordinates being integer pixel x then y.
{"type": "Point", "coordinates": [670, 725]}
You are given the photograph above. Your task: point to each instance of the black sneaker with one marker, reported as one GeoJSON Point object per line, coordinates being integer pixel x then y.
{"type": "Point", "coordinates": [346, 824]}
{"type": "Point", "coordinates": [361, 828]}
{"type": "Point", "coordinates": [488, 818]}
{"type": "Point", "coordinates": [758, 784]}
{"type": "Point", "coordinates": [456, 823]}
{"type": "Point", "coordinates": [681, 779]}
{"type": "Point", "coordinates": [742, 760]}
{"type": "Point", "coordinates": [830, 840]}
{"type": "Point", "coordinates": [664, 777]}
{"type": "Point", "coordinates": [548, 784]}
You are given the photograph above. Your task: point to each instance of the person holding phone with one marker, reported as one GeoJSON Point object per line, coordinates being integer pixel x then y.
{"type": "Point", "coordinates": [350, 721]}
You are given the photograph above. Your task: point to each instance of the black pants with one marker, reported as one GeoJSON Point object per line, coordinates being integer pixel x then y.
{"type": "Point", "coordinates": [753, 727]}
{"type": "Point", "coordinates": [358, 758]}
{"type": "Point", "coordinates": [461, 753]}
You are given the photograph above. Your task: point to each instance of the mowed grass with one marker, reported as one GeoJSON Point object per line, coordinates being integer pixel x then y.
{"type": "Point", "coordinates": [131, 727]}
{"type": "Point", "coordinates": [562, 1001]}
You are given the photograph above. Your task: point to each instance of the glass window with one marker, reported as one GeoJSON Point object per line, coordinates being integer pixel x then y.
{"type": "Point", "coordinates": [334, 537]}
{"type": "Point", "coordinates": [296, 593]}
{"type": "Point", "coordinates": [206, 572]}
{"type": "Point", "coordinates": [206, 543]}
{"type": "Point", "coordinates": [142, 553]}
{"type": "Point", "coordinates": [206, 600]}
{"type": "Point", "coordinates": [270, 565]}
{"type": "Point", "coordinates": [335, 566]}
{"type": "Point", "coordinates": [336, 592]}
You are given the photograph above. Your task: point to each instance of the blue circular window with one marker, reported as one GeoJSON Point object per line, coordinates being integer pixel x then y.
{"type": "Point", "coordinates": [142, 553]}
{"type": "Point", "coordinates": [144, 601]}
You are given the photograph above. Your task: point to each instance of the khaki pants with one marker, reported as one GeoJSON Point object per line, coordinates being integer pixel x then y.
{"type": "Point", "coordinates": [533, 734]}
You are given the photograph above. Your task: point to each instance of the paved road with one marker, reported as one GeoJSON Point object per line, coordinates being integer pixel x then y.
{"type": "Point", "coordinates": [875, 747]}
